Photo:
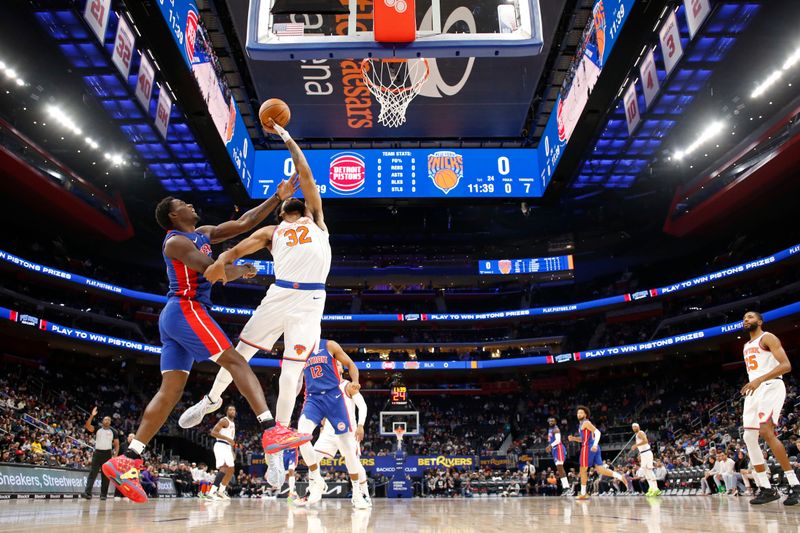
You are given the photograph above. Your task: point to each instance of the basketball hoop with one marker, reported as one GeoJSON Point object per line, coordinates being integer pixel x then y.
{"type": "Point", "coordinates": [394, 83]}
{"type": "Point", "coordinates": [399, 431]}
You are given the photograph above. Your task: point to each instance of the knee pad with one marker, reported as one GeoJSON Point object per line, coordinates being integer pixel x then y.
{"type": "Point", "coordinates": [753, 449]}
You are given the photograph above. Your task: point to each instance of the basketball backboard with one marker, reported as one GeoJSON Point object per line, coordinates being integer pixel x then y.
{"type": "Point", "coordinates": [391, 420]}
{"type": "Point", "coordinates": [444, 28]}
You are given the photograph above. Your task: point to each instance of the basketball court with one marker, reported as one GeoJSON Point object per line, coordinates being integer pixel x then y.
{"type": "Point", "coordinates": [544, 515]}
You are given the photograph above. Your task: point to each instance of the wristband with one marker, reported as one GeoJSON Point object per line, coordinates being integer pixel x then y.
{"type": "Point", "coordinates": [284, 135]}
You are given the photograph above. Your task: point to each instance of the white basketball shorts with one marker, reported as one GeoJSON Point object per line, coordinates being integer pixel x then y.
{"type": "Point", "coordinates": [764, 404]}
{"type": "Point", "coordinates": [295, 314]}
{"type": "Point", "coordinates": [223, 453]}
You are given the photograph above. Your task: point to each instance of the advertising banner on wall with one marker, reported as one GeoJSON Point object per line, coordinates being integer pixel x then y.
{"type": "Point", "coordinates": [28, 479]}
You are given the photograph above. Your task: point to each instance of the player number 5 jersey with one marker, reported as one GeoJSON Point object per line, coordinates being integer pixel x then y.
{"type": "Point", "coordinates": [758, 360]}
{"type": "Point", "coordinates": [301, 251]}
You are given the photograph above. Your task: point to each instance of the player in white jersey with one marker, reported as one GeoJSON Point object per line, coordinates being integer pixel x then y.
{"type": "Point", "coordinates": [328, 442]}
{"type": "Point", "coordinates": [766, 363]}
{"type": "Point", "coordinates": [293, 305]}
{"type": "Point", "coordinates": [645, 459]}
{"type": "Point", "coordinates": [225, 433]}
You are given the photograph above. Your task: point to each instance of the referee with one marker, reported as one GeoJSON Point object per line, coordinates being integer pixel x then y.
{"type": "Point", "coordinates": [106, 443]}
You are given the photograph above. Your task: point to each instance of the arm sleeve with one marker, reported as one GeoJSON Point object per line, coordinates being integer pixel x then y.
{"type": "Point", "coordinates": [361, 407]}
{"type": "Point", "coordinates": [556, 438]}
{"type": "Point", "coordinates": [596, 435]}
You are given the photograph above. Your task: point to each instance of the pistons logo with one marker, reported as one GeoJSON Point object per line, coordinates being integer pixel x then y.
{"type": "Point", "coordinates": [348, 173]}
{"type": "Point", "coordinates": [399, 5]}
{"type": "Point", "coordinates": [190, 34]}
{"type": "Point", "coordinates": [299, 349]}
{"type": "Point", "coordinates": [205, 249]}
{"type": "Point", "coordinates": [340, 426]}
{"type": "Point", "coordinates": [505, 266]}
{"type": "Point", "coordinates": [445, 169]}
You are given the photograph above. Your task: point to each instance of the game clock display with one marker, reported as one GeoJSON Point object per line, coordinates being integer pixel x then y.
{"type": "Point", "coordinates": [416, 173]}
{"type": "Point", "coordinates": [398, 396]}
{"type": "Point", "coordinates": [530, 265]}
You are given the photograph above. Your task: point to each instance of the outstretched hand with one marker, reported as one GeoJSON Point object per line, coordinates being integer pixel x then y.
{"type": "Point", "coordinates": [94, 411]}
{"type": "Point", "coordinates": [287, 188]}
{"type": "Point", "coordinates": [216, 272]}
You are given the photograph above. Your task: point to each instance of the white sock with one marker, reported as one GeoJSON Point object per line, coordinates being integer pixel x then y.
{"type": "Point", "coordinates": [653, 485]}
{"type": "Point", "coordinates": [763, 480]}
{"type": "Point", "coordinates": [583, 490]}
{"type": "Point", "coordinates": [618, 476]}
{"type": "Point", "coordinates": [791, 477]}
{"type": "Point", "coordinates": [137, 446]}
{"type": "Point", "coordinates": [291, 482]}
{"type": "Point", "coordinates": [314, 474]}
{"type": "Point", "coordinates": [564, 483]}
{"type": "Point", "coordinates": [222, 487]}
{"type": "Point", "coordinates": [266, 416]}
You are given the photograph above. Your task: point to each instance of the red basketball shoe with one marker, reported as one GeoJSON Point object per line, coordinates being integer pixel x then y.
{"type": "Point", "coordinates": [280, 437]}
{"type": "Point", "coordinates": [124, 473]}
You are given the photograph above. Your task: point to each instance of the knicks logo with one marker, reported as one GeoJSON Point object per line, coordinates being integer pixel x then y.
{"type": "Point", "coordinates": [299, 349]}
{"type": "Point", "coordinates": [505, 266]}
{"type": "Point", "coordinates": [445, 169]}
{"type": "Point", "coordinates": [348, 173]}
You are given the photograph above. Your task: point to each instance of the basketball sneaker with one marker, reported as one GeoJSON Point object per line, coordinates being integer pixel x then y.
{"type": "Point", "coordinates": [279, 438]}
{"type": "Point", "coordinates": [582, 497]}
{"type": "Point", "coordinates": [123, 472]}
{"type": "Point", "coordinates": [291, 498]}
{"type": "Point", "coordinates": [567, 492]}
{"type": "Point", "coordinates": [223, 494]}
{"type": "Point", "coordinates": [367, 498]}
{"type": "Point", "coordinates": [793, 497]}
{"type": "Point", "coordinates": [316, 488]}
{"type": "Point", "coordinates": [276, 472]}
{"type": "Point", "coordinates": [358, 500]}
{"type": "Point", "coordinates": [765, 496]}
{"type": "Point", "coordinates": [194, 415]}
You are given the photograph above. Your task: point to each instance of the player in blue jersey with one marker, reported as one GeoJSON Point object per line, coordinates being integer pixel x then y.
{"type": "Point", "coordinates": [189, 334]}
{"type": "Point", "coordinates": [559, 451]}
{"type": "Point", "coordinates": [590, 451]}
{"type": "Point", "coordinates": [290, 462]}
{"type": "Point", "coordinates": [325, 401]}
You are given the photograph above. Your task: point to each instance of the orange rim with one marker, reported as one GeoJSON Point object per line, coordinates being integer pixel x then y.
{"type": "Point", "coordinates": [366, 64]}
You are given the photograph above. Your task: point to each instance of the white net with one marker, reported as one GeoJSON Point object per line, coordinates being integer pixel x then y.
{"type": "Point", "coordinates": [394, 83]}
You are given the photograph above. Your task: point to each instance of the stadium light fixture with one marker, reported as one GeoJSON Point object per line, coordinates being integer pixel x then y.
{"type": "Point", "coordinates": [770, 80]}
{"type": "Point", "coordinates": [711, 131]}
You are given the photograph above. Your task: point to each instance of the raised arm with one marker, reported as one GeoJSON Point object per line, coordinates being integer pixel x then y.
{"type": "Point", "coordinates": [88, 425]}
{"type": "Point", "coordinates": [219, 269]}
{"type": "Point", "coordinates": [339, 354]}
{"type": "Point", "coordinates": [773, 344]}
{"type": "Point", "coordinates": [251, 218]}
{"type": "Point", "coordinates": [306, 178]}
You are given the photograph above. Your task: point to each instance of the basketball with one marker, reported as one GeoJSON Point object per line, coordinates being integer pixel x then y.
{"type": "Point", "coordinates": [445, 179]}
{"type": "Point", "coordinates": [275, 109]}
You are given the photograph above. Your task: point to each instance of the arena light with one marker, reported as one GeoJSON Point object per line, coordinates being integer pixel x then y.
{"type": "Point", "coordinates": [711, 131]}
{"type": "Point", "coordinates": [92, 143]}
{"type": "Point", "coordinates": [63, 119]}
{"type": "Point", "coordinates": [792, 60]}
{"type": "Point", "coordinates": [767, 83]}
{"type": "Point", "coordinates": [116, 159]}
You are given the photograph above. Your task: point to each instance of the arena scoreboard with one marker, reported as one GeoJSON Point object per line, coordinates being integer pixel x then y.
{"type": "Point", "coordinates": [531, 265]}
{"type": "Point", "coordinates": [413, 173]}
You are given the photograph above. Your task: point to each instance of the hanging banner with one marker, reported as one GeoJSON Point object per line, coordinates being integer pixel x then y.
{"type": "Point", "coordinates": [96, 14]}
{"type": "Point", "coordinates": [649, 76]}
{"type": "Point", "coordinates": [670, 38]}
{"type": "Point", "coordinates": [696, 13]}
{"type": "Point", "coordinates": [163, 111]}
{"type": "Point", "coordinates": [144, 84]}
{"type": "Point", "coordinates": [631, 103]}
{"type": "Point", "coordinates": [123, 47]}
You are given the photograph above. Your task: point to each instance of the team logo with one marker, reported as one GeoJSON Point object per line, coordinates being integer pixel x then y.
{"type": "Point", "coordinates": [340, 426]}
{"type": "Point", "coordinates": [190, 35]}
{"type": "Point", "coordinates": [388, 365]}
{"type": "Point", "coordinates": [299, 349]}
{"type": "Point", "coordinates": [562, 128]}
{"type": "Point", "coordinates": [760, 416]}
{"type": "Point", "coordinates": [504, 265]}
{"type": "Point", "coordinates": [348, 173]}
{"type": "Point", "coordinates": [205, 249]}
{"type": "Point", "coordinates": [411, 365]}
{"type": "Point", "coordinates": [445, 169]}
{"type": "Point", "coordinates": [399, 5]}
